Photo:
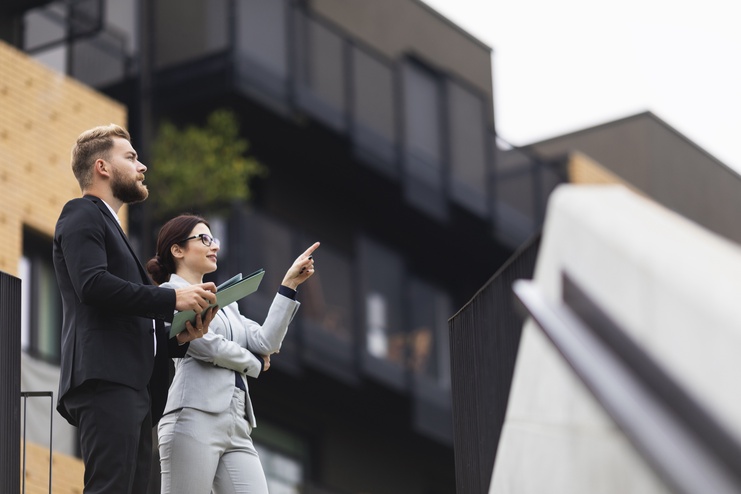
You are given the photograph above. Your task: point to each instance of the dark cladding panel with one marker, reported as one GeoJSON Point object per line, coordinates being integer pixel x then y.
{"type": "Point", "coordinates": [484, 338]}
{"type": "Point", "coordinates": [10, 384]}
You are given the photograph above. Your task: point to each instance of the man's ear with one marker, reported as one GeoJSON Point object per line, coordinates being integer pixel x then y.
{"type": "Point", "coordinates": [102, 167]}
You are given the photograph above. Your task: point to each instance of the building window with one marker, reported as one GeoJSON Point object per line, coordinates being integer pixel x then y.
{"type": "Point", "coordinates": [261, 38]}
{"type": "Point", "coordinates": [423, 156]}
{"type": "Point", "coordinates": [422, 125]}
{"type": "Point", "coordinates": [321, 71]}
{"type": "Point", "coordinates": [186, 34]}
{"type": "Point", "coordinates": [382, 292]}
{"type": "Point", "coordinates": [283, 456]}
{"type": "Point", "coordinates": [374, 110]}
{"type": "Point", "coordinates": [91, 41]}
{"type": "Point", "coordinates": [284, 474]}
{"type": "Point", "coordinates": [45, 34]}
{"type": "Point", "coordinates": [41, 319]}
{"type": "Point", "coordinates": [262, 243]}
{"type": "Point", "coordinates": [468, 148]}
{"type": "Point", "coordinates": [327, 297]}
{"type": "Point", "coordinates": [429, 310]}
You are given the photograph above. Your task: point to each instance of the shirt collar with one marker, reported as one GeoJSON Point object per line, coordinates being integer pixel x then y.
{"type": "Point", "coordinates": [112, 212]}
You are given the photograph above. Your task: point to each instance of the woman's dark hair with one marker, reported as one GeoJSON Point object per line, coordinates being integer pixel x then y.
{"type": "Point", "coordinates": [173, 232]}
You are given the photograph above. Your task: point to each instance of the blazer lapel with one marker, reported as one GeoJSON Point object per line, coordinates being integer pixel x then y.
{"type": "Point", "coordinates": [107, 212]}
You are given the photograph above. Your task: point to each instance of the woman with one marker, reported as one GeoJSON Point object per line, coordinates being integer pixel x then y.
{"type": "Point", "coordinates": [204, 437]}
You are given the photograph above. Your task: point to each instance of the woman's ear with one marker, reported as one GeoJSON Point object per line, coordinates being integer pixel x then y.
{"type": "Point", "coordinates": [177, 251]}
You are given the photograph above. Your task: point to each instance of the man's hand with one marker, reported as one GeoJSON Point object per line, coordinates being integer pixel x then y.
{"type": "Point", "coordinates": [199, 329]}
{"type": "Point", "coordinates": [302, 268]}
{"type": "Point", "coordinates": [195, 297]}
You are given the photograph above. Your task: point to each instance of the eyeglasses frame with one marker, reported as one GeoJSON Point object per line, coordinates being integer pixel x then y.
{"type": "Point", "coordinates": [203, 237]}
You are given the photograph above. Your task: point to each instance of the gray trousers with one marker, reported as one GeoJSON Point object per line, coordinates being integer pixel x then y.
{"type": "Point", "coordinates": [203, 452]}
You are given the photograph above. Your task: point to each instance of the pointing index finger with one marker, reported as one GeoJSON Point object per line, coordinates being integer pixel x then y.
{"type": "Point", "coordinates": [311, 249]}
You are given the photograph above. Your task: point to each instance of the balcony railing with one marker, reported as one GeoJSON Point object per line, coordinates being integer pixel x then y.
{"type": "Point", "coordinates": [442, 147]}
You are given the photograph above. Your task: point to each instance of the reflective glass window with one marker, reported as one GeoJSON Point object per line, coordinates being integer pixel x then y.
{"type": "Point", "coordinates": [468, 152]}
{"type": "Point", "coordinates": [422, 125]}
{"type": "Point", "coordinates": [382, 296]}
{"type": "Point", "coordinates": [373, 108]}
{"type": "Point", "coordinates": [429, 310]}
{"type": "Point", "coordinates": [327, 297]}
{"type": "Point", "coordinates": [42, 306]}
{"type": "Point", "coordinates": [185, 34]}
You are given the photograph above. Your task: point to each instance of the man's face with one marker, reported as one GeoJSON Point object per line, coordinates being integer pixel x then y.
{"type": "Point", "coordinates": [127, 173]}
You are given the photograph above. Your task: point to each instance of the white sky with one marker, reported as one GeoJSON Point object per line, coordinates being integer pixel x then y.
{"type": "Point", "coordinates": [564, 65]}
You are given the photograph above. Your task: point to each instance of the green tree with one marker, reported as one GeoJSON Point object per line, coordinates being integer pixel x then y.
{"type": "Point", "coordinates": [200, 167]}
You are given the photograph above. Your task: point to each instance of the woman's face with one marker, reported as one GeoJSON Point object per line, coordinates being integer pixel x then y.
{"type": "Point", "coordinates": [197, 257]}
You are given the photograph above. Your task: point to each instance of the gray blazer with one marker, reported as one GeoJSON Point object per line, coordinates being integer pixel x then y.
{"type": "Point", "coordinates": [204, 378]}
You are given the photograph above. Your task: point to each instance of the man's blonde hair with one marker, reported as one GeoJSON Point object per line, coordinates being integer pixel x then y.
{"type": "Point", "coordinates": [93, 144]}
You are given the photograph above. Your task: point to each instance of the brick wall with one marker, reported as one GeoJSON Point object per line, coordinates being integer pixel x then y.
{"type": "Point", "coordinates": [67, 472]}
{"type": "Point", "coordinates": [41, 114]}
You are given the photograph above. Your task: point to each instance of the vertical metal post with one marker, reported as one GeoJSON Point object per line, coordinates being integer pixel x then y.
{"type": "Point", "coordinates": [10, 384]}
{"type": "Point", "coordinates": [32, 394]}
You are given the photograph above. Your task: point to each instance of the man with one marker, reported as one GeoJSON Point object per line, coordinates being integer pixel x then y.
{"type": "Point", "coordinates": [114, 372]}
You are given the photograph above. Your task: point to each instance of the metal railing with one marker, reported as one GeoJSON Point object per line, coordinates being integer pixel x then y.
{"type": "Point", "coordinates": [34, 394]}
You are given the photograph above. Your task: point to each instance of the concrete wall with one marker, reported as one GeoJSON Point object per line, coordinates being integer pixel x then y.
{"type": "Point", "coordinates": [672, 285]}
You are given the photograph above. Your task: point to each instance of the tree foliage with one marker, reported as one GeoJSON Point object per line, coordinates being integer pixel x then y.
{"type": "Point", "coordinates": [200, 168]}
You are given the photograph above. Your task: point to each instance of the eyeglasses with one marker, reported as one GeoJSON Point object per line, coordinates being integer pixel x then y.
{"type": "Point", "coordinates": [205, 238]}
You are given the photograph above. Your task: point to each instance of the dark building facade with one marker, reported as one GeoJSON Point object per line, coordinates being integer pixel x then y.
{"type": "Point", "coordinates": [375, 122]}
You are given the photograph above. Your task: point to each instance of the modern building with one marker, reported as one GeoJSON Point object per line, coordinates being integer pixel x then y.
{"type": "Point", "coordinates": [654, 160]}
{"type": "Point", "coordinates": [375, 121]}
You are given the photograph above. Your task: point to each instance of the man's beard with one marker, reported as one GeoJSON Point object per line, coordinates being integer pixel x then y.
{"type": "Point", "coordinates": [128, 192]}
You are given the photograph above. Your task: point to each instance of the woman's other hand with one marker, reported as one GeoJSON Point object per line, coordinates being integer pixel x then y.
{"type": "Point", "coordinates": [197, 330]}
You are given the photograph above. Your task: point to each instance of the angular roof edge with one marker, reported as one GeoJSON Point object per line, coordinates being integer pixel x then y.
{"type": "Point", "coordinates": [453, 25]}
{"type": "Point", "coordinates": [648, 114]}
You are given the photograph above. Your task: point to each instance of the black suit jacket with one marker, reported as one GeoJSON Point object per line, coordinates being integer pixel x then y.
{"type": "Point", "coordinates": [109, 304]}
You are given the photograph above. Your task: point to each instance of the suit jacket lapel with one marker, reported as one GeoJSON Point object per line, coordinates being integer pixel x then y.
{"type": "Point", "coordinates": [107, 212]}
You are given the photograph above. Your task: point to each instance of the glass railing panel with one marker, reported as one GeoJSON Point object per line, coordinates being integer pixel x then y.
{"type": "Point", "coordinates": [186, 34]}
{"type": "Point", "coordinates": [468, 154]}
{"type": "Point", "coordinates": [261, 45]}
{"type": "Point", "coordinates": [44, 26]}
{"type": "Point", "coordinates": [373, 110]}
{"type": "Point", "coordinates": [321, 71]}
{"type": "Point", "coordinates": [516, 186]}
{"type": "Point", "coordinates": [422, 125]}
{"type": "Point", "coordinates": [99, 60]}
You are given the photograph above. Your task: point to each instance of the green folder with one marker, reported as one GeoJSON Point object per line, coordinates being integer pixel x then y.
{"type": "Point", "coordinates": [230, 291]}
